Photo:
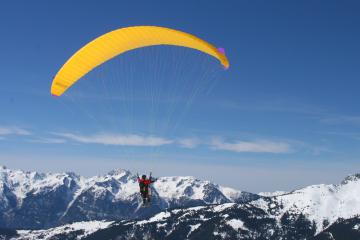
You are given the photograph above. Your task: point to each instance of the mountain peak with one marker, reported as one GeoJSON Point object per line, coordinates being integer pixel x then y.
{"type": "Point", "coordinates": [351, 178]}
{"type": "Point", "coordinates": [2, 167]}
{"type": "Point", "coordinates": [119, 172]}
{"type": "Point", "coordinates": [72, 175]}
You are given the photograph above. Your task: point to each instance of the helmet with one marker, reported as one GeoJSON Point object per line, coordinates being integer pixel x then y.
{"type": "Point", "coordinates": [143, 176]}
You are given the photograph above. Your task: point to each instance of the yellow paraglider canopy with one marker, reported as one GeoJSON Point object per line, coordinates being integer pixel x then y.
{"type": "Point", "coordinates": [122, 40]}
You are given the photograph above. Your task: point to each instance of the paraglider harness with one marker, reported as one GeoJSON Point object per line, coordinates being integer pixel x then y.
{"type": "Point", "coordinates": [145, 190]}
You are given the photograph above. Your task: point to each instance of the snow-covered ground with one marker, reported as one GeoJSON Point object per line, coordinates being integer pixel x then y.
{"type": "Point", "coordinates": [86, 227]}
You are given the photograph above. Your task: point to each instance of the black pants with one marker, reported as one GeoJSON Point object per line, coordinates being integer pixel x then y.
{"type": "Point", "coordinates": [145, 195]}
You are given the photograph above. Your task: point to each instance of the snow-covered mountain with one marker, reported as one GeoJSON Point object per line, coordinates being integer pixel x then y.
{"type": "Point", "coordinates": [75, 230]}
{"type": "Point", "coordinates": [272, 194]}
{"type": "Point", "coordinates": [31, 200]}
{"type": "Point", "coordinates": [225, 221]}
{"type": "Point", "coordinates": [318, 212]}
{"type": "Point", "coordinates": [322, 204]}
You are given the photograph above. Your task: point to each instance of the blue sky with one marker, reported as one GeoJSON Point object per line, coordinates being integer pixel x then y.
{"type": "Point", "coordinates": [284, 115]}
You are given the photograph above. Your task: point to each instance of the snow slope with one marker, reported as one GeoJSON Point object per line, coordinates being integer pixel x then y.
{"type": "Point", "coordinates": [80, 229]}
{"type": "Point", "coordinates": [323, 204]}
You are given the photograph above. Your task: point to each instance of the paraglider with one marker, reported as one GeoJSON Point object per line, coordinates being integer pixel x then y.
{"type": "Point", "coordinates": [144, 185]}
{"type": "Point", "coordinates": [122, 40]}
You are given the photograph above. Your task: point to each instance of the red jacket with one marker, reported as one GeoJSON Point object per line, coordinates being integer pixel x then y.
{"type": "Point", "coordinates": [146, 182]}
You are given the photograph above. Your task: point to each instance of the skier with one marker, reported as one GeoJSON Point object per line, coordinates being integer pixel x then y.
{"type": "Point", "coordinates": [144, 185]}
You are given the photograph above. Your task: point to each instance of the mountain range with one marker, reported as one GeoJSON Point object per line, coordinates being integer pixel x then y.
{"type": "Point", "coordinates": [31, 200]}
{"type": "Point", "coordinates": [183, 208]}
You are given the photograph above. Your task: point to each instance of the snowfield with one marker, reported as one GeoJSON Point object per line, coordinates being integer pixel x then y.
{"type": "Point", "coordinates": [85, 227]}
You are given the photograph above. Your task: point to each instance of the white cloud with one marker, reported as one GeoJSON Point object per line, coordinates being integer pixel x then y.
{"type": "Point", "coordinates": [354, 120]}
{"type": "Point", "coordinates": [259, 146]}
{"type": "Point", "coordinates": [48, 140]}
{"type": "Point", "coordinates": [13, 131]}
{"type": "Point", "coordinates": [189, 142]}
{"type": "Point", "coordinates": [119, 139]}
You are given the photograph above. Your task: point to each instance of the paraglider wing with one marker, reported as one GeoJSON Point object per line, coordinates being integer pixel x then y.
{"type": "Point", "coordinates": [122, 40]}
